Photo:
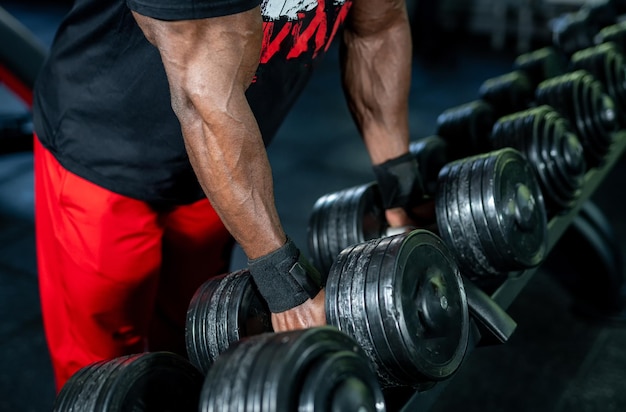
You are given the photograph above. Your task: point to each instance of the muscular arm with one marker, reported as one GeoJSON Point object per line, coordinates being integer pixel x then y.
{"type": "Point", "coordinates": [209, 64]}
{"type": "Point", "coordinates": [376, 57]}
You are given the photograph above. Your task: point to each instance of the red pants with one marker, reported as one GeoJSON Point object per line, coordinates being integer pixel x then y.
{"type": "Point", "coordinates": [116, 277]}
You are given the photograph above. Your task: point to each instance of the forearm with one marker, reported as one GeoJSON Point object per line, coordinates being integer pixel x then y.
{"type": "Point", "coordinates": [229, 158]}
{"type": "Point", "coordinates": [376, 64]}
{"type": "Point", "coordinates": [209, 64]}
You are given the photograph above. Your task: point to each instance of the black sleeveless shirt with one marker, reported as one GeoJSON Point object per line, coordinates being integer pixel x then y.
{"type": "Point", "coordinates": [102, 103]}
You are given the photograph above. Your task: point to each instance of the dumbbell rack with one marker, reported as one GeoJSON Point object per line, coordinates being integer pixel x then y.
{"type": "Point", "coordinates": [513, 283]}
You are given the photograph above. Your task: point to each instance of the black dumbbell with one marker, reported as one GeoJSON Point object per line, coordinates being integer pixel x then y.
{"type": "Point", "coordinates": [554, 151]}
{"type": "Point", "coordinates": [316, 369]}
{"type": "Point", "coordinates": [152, 381]}
{"type": "Point", "coordinates": [580, 98]}
{"type": "Point", "coordinates": [508, 93]}
{"type": "Point", "coordinates": [541, 64]}
{"type": "Point", "coordinates": [577, 30]}
{"type": "Point", "coordinates": [607, 64]}
{"type": "Point", "coordinates": [400, 297]}
{"type": "Point", "coordinates": [351, 216]}
{"type": "Point", "coordinates": [361, 215]}
{"type": "Point", "coordinates": [466, 128]}
{"type": "Point", "coordinates": [615, 33]}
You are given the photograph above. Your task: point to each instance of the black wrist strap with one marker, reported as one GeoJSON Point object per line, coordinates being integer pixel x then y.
{"type": "Point", "coordinates": [285, 278]}
{"type": "Point", "coordinates": [400, 182]}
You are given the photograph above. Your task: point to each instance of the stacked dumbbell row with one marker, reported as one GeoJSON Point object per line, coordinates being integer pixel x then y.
{"type": "Point", "coordinates": [396, 304]}
{"type": "Point", "coordinates": [584, 86]}
{"type": "Point", "coordinates": [304, 370]}
{"type": "Point", "coordinates": [488, 209]}
{"type": "Point", "coordinates": [398, 316]}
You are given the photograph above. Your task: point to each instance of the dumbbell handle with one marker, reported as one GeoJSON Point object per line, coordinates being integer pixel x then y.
{"type": "Point", "coordinates": [495, 325]}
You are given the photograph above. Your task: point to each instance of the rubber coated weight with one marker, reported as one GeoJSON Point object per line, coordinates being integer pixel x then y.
{"type": "Point", "coordinates": [415, 335]}
{"type": "Point", "coordinates": [580, 98]}
{"type": "Point", "coordinates": [344, 218]}
{"type": "Point", "coordinates": [235, 303]}
{"type": "Point", "coordinates": [402, 299]}
{"type": "Point", "coordinates": [541, 64]}
{"type": "Point", "coordinates": [543, 136]}
{"type": "Point", "coordinates": [606, 63]}
{"type": "Point", "coordinates": [507, 210]}
{"type": "Point", "coordinates": [507, 93]}
{"type": "Point", "coordinates": [577, 30]}
{"type": "Point", "coordinates": [151, 381]}
{"type": "Point", "coordinates": [315, 369]}
{"type": "Point", "coordinates": [466, 128]}
{"type": "Point", "coordinates": [615, 33]}
{"type": "Point", "coordinates": [431, 153]}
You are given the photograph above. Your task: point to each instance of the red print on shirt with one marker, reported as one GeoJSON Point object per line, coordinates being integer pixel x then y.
{"type": "Point", "coordinates": [305, 36]}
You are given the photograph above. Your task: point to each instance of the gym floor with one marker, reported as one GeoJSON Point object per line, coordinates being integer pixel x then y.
{"type": "Point", "coordinates": [557, 360]}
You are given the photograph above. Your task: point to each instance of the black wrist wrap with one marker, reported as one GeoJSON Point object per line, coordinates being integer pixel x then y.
{"type": "Point", "coordinates": [285, 278]}
{"type": "Point", "coordinates": [399, 182]}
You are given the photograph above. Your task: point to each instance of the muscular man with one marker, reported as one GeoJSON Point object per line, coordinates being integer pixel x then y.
{"type": "Point", "coordinates": [152, 118]}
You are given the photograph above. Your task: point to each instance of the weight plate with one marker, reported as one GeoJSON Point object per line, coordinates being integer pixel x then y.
{"type": "Point", "coordinates": [274, 370]}
{"type": "Point", "coordinates": [79, 393]}
{"type": "Point", "coordinates": [488, 257]}
{"type": "Point", "coordinates": [344, 218]}
{"type": "Point", "coordinates": [224, 310]}
{"type": "Point", "coordinates": [514, 208]}
{"type": "Point", "coordinates": [466, 128]}
{"type": "Point", "coordinates": [615, 33]}
{"type": "Point", "coordinates": [449, 220]}
{"type": "Point", "coordinates": [606, 64]}
{"type": "Point", "coordinates": [198, 338]}
{"type": "Point", "coordinates": [226, 383]}
{"type": "Point", "coordinates": [340, 382]}
{"type": "Point", "coordinates": [392, 369]}
{"type": "Point", "coordinates": [507, 93]}
{"type": "Point", "coordinates": [151, 381]}
{"type": "Point", "coordinates": [351, 298]}
{"type": "Point", "coordinates": [415, 304]}
{"type": "Point", "coordinates": [541, 64]}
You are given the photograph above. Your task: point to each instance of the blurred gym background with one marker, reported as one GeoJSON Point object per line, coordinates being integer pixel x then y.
{"type": "Point", "coordinates": [558, 359]}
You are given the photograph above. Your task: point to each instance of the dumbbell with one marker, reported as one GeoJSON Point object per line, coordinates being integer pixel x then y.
{"type": "Point", "coordinates": [541, 64]}
{"type": "Point", "coordinates": [554, 151]}
{"type": "Point", "coordinates": [495, 193]}
{"type": "Point", "coordinates": [466, 128]}
{"type": "Point", "coordinates": [615, 33]}
{"type": "Point", "coordinates": [576, 30]}
{"type": "Point", "coordinates": [316, 369]}
{"type": "Point", "coordinates": [508, 93]}
{"type": "Point", "coordinates": [580, 98]}
{"type": "Point", "coordinates": [400, 297]}
{"type": "Point", "coordinates": [607, 64]}
{"type": "Point", "coordinates": [152, 381]}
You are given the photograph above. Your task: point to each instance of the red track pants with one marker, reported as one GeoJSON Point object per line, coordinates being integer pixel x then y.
{"type": "Point", "coordinates": [116, 277]}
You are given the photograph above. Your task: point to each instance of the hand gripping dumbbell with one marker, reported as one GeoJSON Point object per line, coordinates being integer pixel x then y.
{"type": "Point", "coordinates": [489, 212]}
{"type": "Point", "coordinates": [401, 298]}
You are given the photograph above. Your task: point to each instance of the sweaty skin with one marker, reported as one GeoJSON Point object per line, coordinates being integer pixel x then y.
{"type": "Point", "coordinates": [211, 62]}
